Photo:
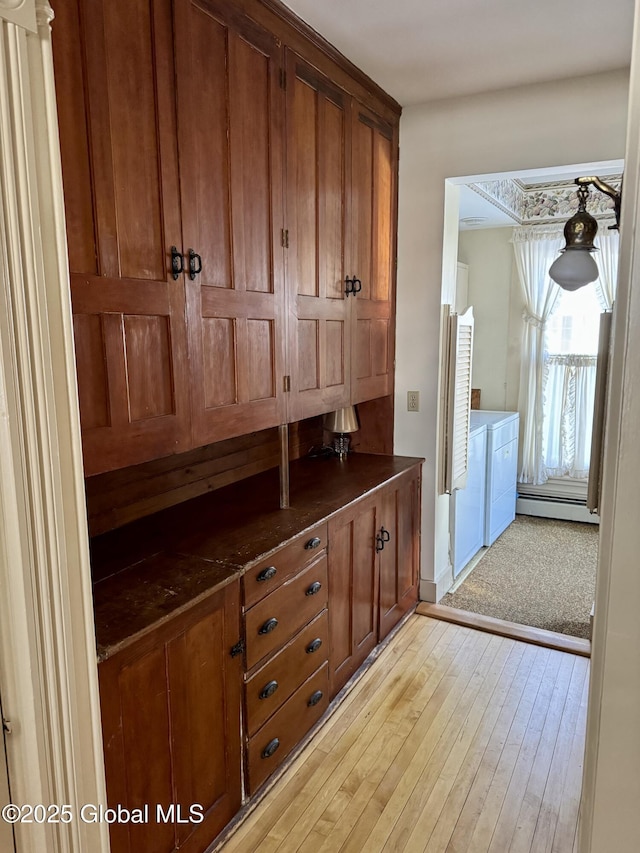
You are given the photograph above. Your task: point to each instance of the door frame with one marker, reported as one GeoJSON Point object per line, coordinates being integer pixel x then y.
{"type": "Point", "coordinates": [48, 667]}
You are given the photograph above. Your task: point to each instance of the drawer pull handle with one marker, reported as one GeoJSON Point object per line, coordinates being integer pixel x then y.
{"type": "Point", "coordinates": [314, 646]}
{"type": "Point", "coordinates": [267, 574]}
{"type": "Point", "coordinates": [315, 698]}
{"type": "Point", "coordinates": [313, 543]}
{"type": "Point", "coordinates": [269, 626]}
{"type": "Point", "coordinates": [385, 534]}
{"type": "Point", "coordinates": [269, 689]}
{"type": "Point", "coordinates": [315, 587]}
{"type": "Point", "coordinates": [270, 748]}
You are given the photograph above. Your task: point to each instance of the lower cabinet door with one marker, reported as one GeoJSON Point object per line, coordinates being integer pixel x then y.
{"type": "Point", "coordinates": [399, 553]}
{"type": "Point", "coordinates": [171, 730]}
{"type": "Point", "coordinates": [353, 590]}
{"type": "Point", "coordinates": [274, 741]}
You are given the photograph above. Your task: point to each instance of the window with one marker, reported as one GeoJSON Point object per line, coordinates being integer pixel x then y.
{"type": "Point", "coordinates": [571, 346]}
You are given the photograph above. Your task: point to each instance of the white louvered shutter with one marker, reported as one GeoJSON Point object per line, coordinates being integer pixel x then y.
{"type": "Point", "coordinates": [460, 355]}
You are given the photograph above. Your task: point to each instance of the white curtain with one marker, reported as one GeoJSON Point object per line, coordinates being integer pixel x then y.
{"type": "Point", "coordinates": [569, 387]}
{"type": "Point", "coordinates": [535, 250]}
{"type": "Point", "coordinates": [607, 259]}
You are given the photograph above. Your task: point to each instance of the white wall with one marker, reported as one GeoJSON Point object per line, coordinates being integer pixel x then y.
{"type": "Point", "coordinates": [556, 124]}
{"type": "Point", "coordinates": [497, 302]}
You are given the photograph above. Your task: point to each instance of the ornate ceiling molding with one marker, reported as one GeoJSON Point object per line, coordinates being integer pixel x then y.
{"type": "Point", "coordinates": [546, 203]}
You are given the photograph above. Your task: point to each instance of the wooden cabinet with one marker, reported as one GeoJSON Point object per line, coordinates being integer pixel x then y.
{"type": "Point", "coordinates": [373, 253]}
{"type": "Point", "coordinates": [353, 589]}
{"type": "Point", "coordinates": [373, 572]}
{"type": "Point", "coordinates": [171, 728]}
{"type": "Point", "coordinates": [230, 114]}
{"type": "Point", "coordinates": [287, 678]}
{"type": "Point", "coordinates": [340, 215]}
{"type": "Point", "coordinates": [115, 101]}
{"type": "Point", "coordinates": [399, 553]}
{"type": "Point", "coordinates": [188, 719]}
{"type": "Point", "coordinates": [231, 224]}
{"type": "Point", "coordinates": [318, 167]}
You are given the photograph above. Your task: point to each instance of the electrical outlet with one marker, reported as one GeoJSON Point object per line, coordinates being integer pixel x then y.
{"type": "Point", "coordinates": [413, 401]}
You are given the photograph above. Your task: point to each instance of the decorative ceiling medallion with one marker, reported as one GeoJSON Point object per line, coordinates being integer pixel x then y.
{"type": "Point", "coordinates": [544, 203]}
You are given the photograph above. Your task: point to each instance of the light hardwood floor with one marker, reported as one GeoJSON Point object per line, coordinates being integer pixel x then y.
{"type": "Point", "coordinates": [455, 740]}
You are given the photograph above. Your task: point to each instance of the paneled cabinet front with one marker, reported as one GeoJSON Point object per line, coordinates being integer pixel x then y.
{"type": "Point", "coordinates": [231, 227]}
{"type": "Point", "coordinates": [373, 572]}
{"type": "Point", "coordinates": [171, 133]}
{"type": "Point", "coordinates": [171, 730]}
{"type": "Point", "coordinates": [230, 118]}
{"type": "Point", "coordinates": [115, 88]}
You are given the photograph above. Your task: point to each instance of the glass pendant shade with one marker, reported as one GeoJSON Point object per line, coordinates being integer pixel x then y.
{"type": "Point", "coordinates": [574, 268]}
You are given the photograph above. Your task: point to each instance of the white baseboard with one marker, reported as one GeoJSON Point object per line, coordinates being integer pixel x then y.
{"type": "Point", "coordinates": [555, 509]}
{"type": "Point", "coordinates": [433, 591]}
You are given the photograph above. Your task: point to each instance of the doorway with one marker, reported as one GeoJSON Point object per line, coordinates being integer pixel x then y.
{"type": "Point", "coordinates": [549, 553]}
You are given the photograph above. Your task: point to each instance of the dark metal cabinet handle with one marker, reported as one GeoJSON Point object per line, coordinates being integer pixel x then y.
{"type": "Point", "coordinates": [313, 543]}
{"type": "Point", "coordinates": [269, 626]}
{"type": "Point", "coordinates": [385, 534]}
{"type": "Point", "coordinates": [177, 263]}
{"type": "Point", "coordinates": [195, 264]}
{"type": "Point", "coordinates": [379, 543]}
{"type": "Point", "coordinates": [314, 588]}
{"type": "Point", "coordinates": [268, 690]}
{"type": "Point", "coordinates": [357, 286]}
{"type": "Point", "coordinates": [314, 645]}
{"type": "Point", "coordinates": [270, 748]}
{"type": "Point", "coordinates": [315, 698]}
{"type": "Point", "coordinates": [349, 285]}
{"type": "Point", "coordinates": [237, 649]}
{"type": "Point", "coordinates": [267, 574]}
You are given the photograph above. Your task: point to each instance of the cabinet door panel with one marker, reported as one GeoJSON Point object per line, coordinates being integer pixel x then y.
{"type": "Point", "coordinates": [317, 175]}
{"type": "Point", "coordinates": [373, 192]}
{"type": "Point", "coordinates": [230, 149]}
{"type": "Point", "coordinates": [171, 729]}
{"type": "Point", "coordinates": [135, 720]}
{"type": "Point", "coordinates": [117, 130]}
{"type": "Point", "coordinates": [353, 591]}
{"type": "Point", "coordinates": [399, 559]}
{"type": "Point", "coordinates": [205, 712]}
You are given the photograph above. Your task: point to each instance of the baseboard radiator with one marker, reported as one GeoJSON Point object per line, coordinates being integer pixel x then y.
{"type": "Point", "coordinates": [553, 506]}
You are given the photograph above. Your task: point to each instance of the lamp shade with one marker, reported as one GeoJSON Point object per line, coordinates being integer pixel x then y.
{"type": "Point", "coordinates": [574, 268]}
{"type": "Point", "coordinates": [342, 420]}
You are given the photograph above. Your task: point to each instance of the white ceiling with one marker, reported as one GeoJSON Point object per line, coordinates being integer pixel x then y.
{"type": "Point", "coordinates": [421, 50]}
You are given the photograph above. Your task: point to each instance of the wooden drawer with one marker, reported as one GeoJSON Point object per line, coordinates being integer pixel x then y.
{"type": "Point", "coordinates": [287, 669]}
{"type": "Point", "coordinates": [275, 619]}
{"type": "Point", "coordinates": [259, 580]}
{"type": "Point", "coordinates": [279, 735]}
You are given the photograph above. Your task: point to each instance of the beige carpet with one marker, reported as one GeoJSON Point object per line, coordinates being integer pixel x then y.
{"type": "Point", "coordinates": [540, 572]}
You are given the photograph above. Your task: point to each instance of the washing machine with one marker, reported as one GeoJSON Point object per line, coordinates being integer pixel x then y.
{"type": "Point", "coordinates": [501, 470]}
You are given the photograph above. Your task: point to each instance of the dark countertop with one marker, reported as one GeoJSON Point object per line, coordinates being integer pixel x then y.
{"type": "Point", "coordinates": [159, 566]}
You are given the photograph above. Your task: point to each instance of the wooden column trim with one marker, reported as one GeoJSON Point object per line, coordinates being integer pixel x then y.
{"type": "Point", "coordinates": [48, 673]}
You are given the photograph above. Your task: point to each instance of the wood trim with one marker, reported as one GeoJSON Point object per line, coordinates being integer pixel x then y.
{"type": "Point", "coordinates": [525, 633]}
{"type": "Point", "coordinates": [48, 670]}
{"type": "Point", "coordinates": [119, 497]}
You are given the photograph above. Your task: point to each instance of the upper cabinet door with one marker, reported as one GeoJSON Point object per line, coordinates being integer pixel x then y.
{"type": "Point", "coordinates": [114, 80]}
{"type": "Point", "coordinates": [318, 141]}
{"type": "Point", "coordinates": [373, 216]}
{"type": "Point", "coordinates": [230, 109]}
